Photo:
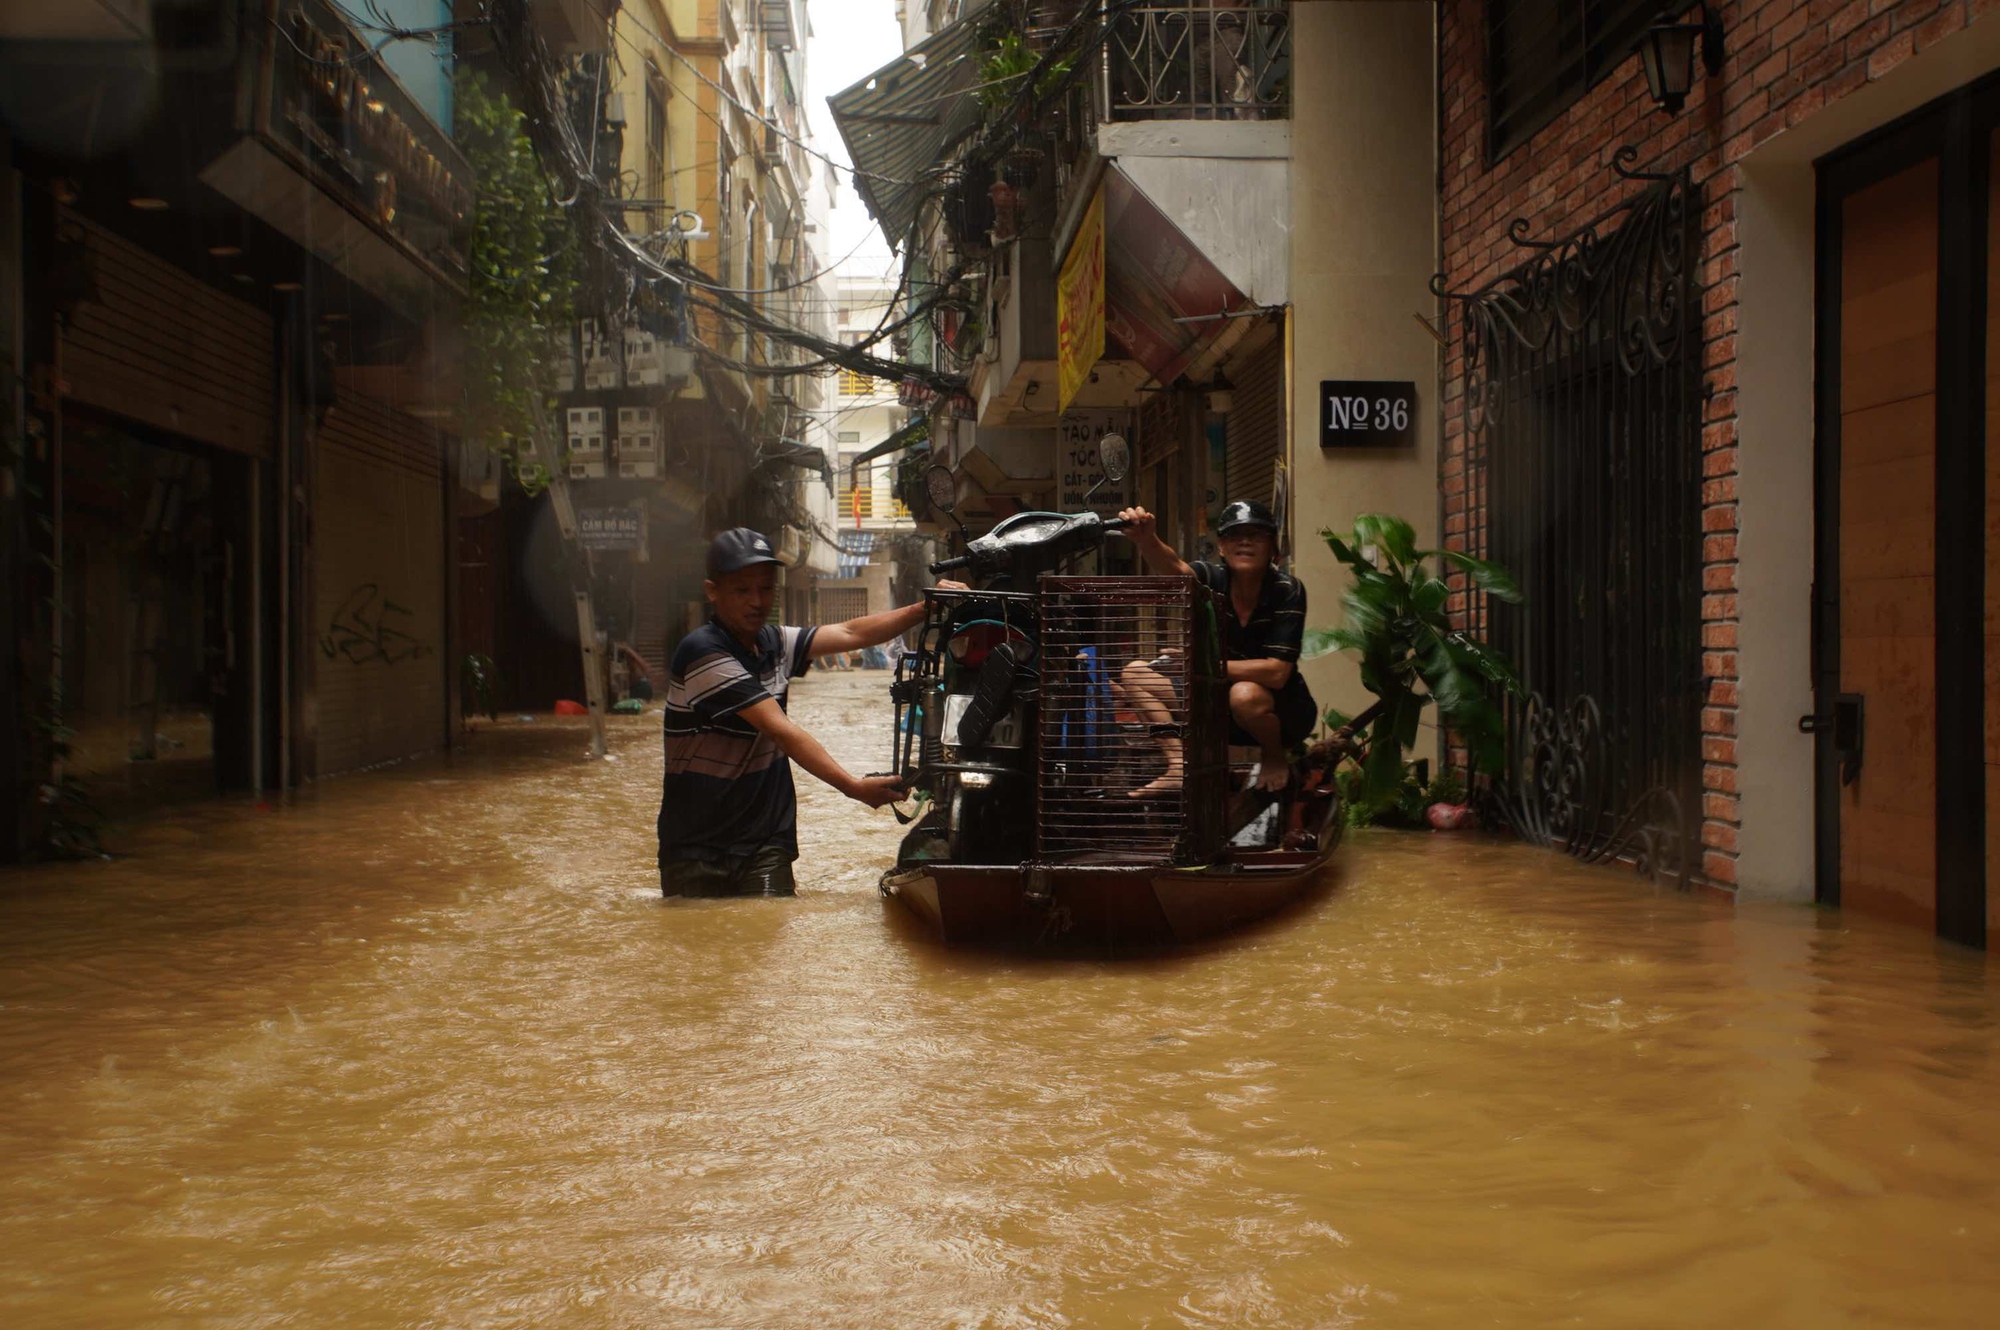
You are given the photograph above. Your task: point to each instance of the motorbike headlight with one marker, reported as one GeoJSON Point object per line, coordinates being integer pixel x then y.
{"type": "Point", "coordinates": [975, 780]}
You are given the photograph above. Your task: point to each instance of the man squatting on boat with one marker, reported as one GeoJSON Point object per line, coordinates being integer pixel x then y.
{"type": "Point", "coordinates": [1269, 704]}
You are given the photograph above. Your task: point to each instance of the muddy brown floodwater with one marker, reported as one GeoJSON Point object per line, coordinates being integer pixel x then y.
{"type": "Point", "coordinates": [427, 1049]}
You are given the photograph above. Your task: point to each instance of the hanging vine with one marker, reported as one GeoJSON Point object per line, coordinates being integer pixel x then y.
{"type": "Point", "coordinates": [523, 283]}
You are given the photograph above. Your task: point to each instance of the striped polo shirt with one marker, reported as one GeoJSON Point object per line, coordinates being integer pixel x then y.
{"type": "Point", "coordinates": [728, 789]}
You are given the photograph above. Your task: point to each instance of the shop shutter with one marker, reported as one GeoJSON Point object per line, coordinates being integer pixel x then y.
{"type": "Point", "coordinates": [839, 604]}
{"type": "Point", "coordinates": [1160, 430]}
{"type": "Point", "coordinates": [157, 346]}
{"type": "Point", "coordinates": [1257, 425]}
{"type": "Point", "coordinates": [380, 618]}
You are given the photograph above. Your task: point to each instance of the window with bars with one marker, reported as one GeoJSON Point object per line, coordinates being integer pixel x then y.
{"type": "Point", "coordinates": [1542, 55]}
{"type": "Point", "coordinates": [855, 384]}
{"type": "Point", "coordinates": [873, 491]}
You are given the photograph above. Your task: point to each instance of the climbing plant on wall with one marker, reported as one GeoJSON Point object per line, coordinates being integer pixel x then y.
{"type": "Point", "coordinates": [523, 285]}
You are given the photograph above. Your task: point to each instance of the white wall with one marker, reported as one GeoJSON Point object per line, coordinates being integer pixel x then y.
{"type": "Point", "coordinates": [1363, 248]}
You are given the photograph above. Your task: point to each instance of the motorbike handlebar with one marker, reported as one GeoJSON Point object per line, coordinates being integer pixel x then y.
{"type": "Point", "coordinates": [965, 560]}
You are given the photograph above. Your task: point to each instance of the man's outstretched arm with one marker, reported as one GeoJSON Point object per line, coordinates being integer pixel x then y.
{"type": "Point", "coordinates": [1142, 530]}
{"type": "Point", "coordinates": [872, 630]}
{"type": "Point", "coordinates": [809, 753]}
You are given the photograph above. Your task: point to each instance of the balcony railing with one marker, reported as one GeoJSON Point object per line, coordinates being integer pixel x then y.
{"type": "Point", "coordinates": [1200, 60]}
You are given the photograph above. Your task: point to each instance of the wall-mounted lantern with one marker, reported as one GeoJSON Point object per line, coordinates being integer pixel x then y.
{"type": "Point", "coordinates": [1667, 53]}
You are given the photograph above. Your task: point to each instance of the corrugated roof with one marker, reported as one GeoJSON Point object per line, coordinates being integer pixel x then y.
{"type": "Point", "coordinates": [900, 121]}
{"type": "Point", "coordinates": [856, 549]}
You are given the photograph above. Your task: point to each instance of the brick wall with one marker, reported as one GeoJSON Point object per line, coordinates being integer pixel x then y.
{"type": "Point", "coordinates": [1785, 60]}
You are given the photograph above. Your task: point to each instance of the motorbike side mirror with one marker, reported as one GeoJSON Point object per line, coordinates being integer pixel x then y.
{"type": "Point", "coordinates": [941, 487]}
{"type": "Point", "coordinates": [1114, 457]}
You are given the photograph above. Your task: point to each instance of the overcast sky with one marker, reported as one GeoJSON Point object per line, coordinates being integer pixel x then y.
{"type": "Point", "coordinates": [851, 40]}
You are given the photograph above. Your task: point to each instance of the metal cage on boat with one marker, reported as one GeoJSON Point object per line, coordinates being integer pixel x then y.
{"type": "Point", "coordinates": [1132, 686]}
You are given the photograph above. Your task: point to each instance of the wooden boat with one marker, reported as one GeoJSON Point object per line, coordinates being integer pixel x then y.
{"type": "Point", "coordinates": [1080, 904]}
{"type": "Point", "coordinates": [1115, 906]}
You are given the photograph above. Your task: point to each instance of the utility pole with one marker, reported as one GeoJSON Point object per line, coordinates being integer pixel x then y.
{"type": "Point", "coordinates": [586, 617]}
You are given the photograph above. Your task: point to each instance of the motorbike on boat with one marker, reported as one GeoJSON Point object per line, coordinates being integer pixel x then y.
{"type": "Point", "coordinates": [1067, 737]}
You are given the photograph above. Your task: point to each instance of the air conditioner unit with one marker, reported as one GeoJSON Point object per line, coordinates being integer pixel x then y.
{"type": "Point", "coordinates": [793, 545]}
{"type": "Point", "coordinates": [586, 470]}
{"type": "Point", "coordinates": [586, 433]}
{"type": "Point", "coordinates": [638, 434]}
{"type": "Point", "coordinates": [638, 470]}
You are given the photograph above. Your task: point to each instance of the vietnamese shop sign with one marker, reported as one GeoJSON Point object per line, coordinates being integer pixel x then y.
{"type": "Point", "coordinates": [1078, 467]}
{"type": "Point", "coordinates": [1080, 305]}
{"type": "Point", "coordinates": [1367, 413]}
{"type": "Point", "coordinates": [609, 528]}
{"type": "Point", "coordinates": [330, 107]}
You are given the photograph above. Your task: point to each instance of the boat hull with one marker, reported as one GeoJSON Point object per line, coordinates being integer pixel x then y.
{"type": "Point", "coordinates": [1013, 907]}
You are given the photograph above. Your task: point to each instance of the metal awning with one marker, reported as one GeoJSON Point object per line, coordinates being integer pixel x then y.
{"type": "Point", "coordinates": [913, 435]}
{"type": "Point", "coordinates": [1165, 300]}
{"type": "Point", "coordinates": [790, 452]}
{"type": "Point", "coordinates": [903, 119]}
{"type": "Point", "coordinates": [856, 549]}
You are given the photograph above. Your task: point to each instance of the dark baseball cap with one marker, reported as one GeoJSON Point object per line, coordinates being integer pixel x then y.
{"type": "Point", "coordinates": [738, 548]}
{"type": "Point", "coordinates": [1246, 512]}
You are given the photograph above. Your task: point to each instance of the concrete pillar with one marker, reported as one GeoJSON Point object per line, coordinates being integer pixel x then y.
{"type": "Point", "coordinates": [1364, 246]}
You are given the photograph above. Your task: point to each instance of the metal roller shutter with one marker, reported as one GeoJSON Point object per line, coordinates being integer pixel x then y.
{"type": "Point", "coordinates": [839, 604]}
{"type": "Point", "coordinates": [157, 346]}
{"type": "Point", "coordinates": [1257, 425]}
{"type": "Point", "coordinates": [380, 584]}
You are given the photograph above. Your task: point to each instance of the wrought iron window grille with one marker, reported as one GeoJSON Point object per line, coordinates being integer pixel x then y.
{"type": "Point", "coordinates": [1582, 409]}
{"type": "Point", "coordinates": [1199, 61]}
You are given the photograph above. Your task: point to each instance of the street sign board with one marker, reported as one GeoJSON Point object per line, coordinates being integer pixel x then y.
{"type": "Point", "coordinates": [1080, 306]}
{"type": "Point", "coordinates": [609, 528]}
{"type": "Point", "coordinates": [1367, 413]}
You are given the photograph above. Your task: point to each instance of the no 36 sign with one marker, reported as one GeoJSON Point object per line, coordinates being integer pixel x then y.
{"type": "Point", "coordinates": [1366, 413]}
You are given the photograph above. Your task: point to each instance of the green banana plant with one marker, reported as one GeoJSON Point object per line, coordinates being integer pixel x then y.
{"type": "Point", "coordinates": [1393, 617]}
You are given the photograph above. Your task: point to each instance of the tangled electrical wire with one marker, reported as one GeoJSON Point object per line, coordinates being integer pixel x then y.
{"type": "Point", "coordinates": [616, 263]}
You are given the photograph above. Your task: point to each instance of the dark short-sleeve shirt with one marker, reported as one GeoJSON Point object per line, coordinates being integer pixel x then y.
{"type": "Point", "coordinates": [1277, 626]}
{"type": "Point", "coordinates": [728, 788]}
{"type": "Point", "coordinates": [1276, 629]}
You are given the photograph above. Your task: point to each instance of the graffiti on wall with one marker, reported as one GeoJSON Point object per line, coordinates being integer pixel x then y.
{"type": "Point", "coordinates": [363, 632]}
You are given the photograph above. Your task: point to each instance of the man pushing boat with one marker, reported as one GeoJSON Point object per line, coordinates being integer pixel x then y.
{"type": "Point", "coordinates": [728, 812]}
{"type": "Point", "coordinates": [1269, 704]}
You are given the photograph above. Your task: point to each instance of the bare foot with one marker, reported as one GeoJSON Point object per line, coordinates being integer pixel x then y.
{"type": "Point", "coordinates": [1169, 781]}
{"type": "Point", "coordinates": [1273, 776]}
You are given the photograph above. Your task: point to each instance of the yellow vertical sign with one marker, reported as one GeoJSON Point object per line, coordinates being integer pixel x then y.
{"type": "Point", "coordinates": [1080, 305]}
